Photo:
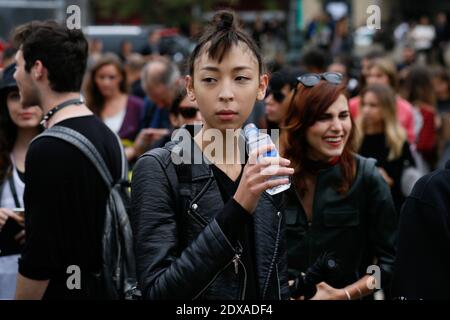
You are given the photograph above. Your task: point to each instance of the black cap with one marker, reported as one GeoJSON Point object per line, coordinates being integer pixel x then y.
{"type": "Point", "coordinates": [7, 80]}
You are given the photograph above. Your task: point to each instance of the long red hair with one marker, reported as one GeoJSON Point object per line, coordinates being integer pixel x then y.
{"type": "Point", "coordinates": [304, 109]}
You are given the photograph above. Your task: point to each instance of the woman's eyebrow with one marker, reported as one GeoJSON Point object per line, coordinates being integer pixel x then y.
{"type": "Point", "coordinates": [240, 68]}
{"type": "Point", "coordinates": [210, 68]}
{"type": "Point", "coordinates": [216, 69]}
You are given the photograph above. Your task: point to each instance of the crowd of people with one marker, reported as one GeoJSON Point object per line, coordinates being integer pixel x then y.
{"type": "Point", "coordinates": [366, 154]}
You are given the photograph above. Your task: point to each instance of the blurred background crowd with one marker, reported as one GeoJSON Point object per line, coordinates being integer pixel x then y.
{"type": "Point", "coordinates": [397, 77]}
{"type": "Point", "coordinates": [138, 54]}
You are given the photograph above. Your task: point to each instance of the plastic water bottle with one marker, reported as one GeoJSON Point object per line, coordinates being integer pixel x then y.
{"type": "Point", "coordinates": [255, 140]}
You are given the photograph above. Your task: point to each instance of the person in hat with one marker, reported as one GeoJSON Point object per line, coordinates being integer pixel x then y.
{"type": "Point", "coordinates": [18, 126]}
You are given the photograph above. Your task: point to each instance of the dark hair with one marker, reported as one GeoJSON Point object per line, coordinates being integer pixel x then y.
{"type": "Point", "coordinates": [63, 52]}
{"type": "Point", "coordinates": [175, 107]}
{"type": "Point", "coordinates": [220, 36]}
{"type": "Point", "coordinates": [8, 134]}
{"type": "Point", "coordinates": [94, 99]}
{"type": "Point", "coordinates": [316, 58]}
{"type": "Point", "coordinates": [305, 108]}
{"type": "Point", "coordinates": [281, 78]}
{"type": "Point", "coordinates": [418, 86]}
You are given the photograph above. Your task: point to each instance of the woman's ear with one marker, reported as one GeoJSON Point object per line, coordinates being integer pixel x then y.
{"type": "Point", "coordinates": [263, 83]}
{"type": "Point", "coordinates": [190, 88]}
{"type": "Point", "coordinates": [174, 120]}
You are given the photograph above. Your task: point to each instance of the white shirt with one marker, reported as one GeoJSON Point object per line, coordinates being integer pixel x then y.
{"type": "Point", "coordinates": [7, 200]}
{"type": "Point", "coordinates": [423, 36]}
{"type": "Point", "coordinates": [115, 122]}
{"type": "Point", "coordinates": [9, 264]}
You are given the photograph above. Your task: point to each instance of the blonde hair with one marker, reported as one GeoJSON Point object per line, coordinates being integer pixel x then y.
{"type": "Point", "coordinates": [387, 67]}
{"type": "Point", "coordinates": [395, 134]}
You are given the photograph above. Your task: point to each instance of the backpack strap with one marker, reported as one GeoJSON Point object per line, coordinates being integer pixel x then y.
{"type": "Point", "coordinates": [180, 177]}
{"type": "Point", "coordinates": [9, 179]}
{"type": "Point", "coordinates": [12, 187]}
{"type": "Point", "coordinates": [85, 146]}
{"type": "Point", "coordinates": [367, 167]}
{"type": "Point", "coordinates": [1, 192]}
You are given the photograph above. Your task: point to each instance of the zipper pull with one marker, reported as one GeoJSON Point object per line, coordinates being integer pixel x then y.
{"type": "Point", "coordinates": [236, 259]}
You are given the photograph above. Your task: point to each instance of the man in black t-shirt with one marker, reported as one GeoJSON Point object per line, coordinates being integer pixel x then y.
{"type": "Point", "coordinates": [65, 197]}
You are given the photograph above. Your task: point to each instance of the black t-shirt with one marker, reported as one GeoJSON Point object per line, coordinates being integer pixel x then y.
{"type": "Point", "coordinates": [443, 105]}
{"type": "Point", "coordinates": [65, 204]}
{"type": "Point", "coordinates": [237, 224]}
{"type": "Point", "coordinates": [375, 146]}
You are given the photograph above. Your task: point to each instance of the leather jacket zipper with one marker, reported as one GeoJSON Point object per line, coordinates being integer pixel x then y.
{"type": "Point", "coordinates": [245, 280]}
{"type": "Point", "coordinates": [213, 279]}
{"type": "Point", "coordinates": [269, 275]}
{"type": "Point", "coordinates": [192, 211]}
{"type": "Point", "coordinates": [278, 281]}
{"type": "Point", "coordinates": [236, 260]}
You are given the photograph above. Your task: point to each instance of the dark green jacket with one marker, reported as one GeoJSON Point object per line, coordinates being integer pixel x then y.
{"type": "Point", "coordinates": [358, 228]}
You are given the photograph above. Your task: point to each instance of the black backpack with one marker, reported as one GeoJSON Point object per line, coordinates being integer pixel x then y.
{"type": "Point", "coordinates": [117, 278]}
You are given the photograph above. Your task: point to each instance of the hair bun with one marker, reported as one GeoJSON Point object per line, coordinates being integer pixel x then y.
{"type": "Point", "coordinates": [224, 20]}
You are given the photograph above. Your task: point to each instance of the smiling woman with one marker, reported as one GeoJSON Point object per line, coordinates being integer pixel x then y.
{"type": "Point", "coordinates": [340, 206]}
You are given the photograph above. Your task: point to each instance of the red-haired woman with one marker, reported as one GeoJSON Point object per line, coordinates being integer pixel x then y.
{"type": "Point", "coordinates": [340, 206]}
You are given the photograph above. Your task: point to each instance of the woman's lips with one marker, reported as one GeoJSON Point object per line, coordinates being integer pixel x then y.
{"type": "Point", "coordinates": [334, 141]}
{"type": "Point", "coordinates": [226, 115]}
{"type": "Point", "coordinates": [26, 115]}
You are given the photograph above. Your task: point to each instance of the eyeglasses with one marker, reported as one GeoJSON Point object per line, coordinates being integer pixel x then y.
{"type": "Point", "coordinates": [311, 79]}
{"type": "Point", "coordinates": [188, 112]}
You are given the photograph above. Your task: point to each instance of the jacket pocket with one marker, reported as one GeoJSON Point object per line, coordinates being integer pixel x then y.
{"type": "Point", "coordinates": [342, 218]}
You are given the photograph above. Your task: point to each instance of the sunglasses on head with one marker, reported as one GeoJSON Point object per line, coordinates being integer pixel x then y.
{"type": "Point", "coordinates": [311, 79]}
{"type": "Point", "coordinates": [188, 112]}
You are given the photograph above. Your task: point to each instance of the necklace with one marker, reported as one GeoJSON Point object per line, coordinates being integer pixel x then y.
{"type": "Point", "coordinates": [59, 107]}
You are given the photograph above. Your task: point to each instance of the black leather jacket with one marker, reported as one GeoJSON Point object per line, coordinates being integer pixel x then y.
{"type": "Point", "coordinates": [359, 229]}
{"type": "Point", "coordinates": [183, 253]}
